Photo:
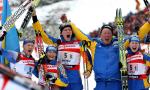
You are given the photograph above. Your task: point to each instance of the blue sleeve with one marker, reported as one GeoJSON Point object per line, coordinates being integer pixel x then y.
{"type": "Point", "coordinates": [35, 71]}
{"type": "Point", "coordinates": [52, 38]}
{"type": "Point", "coordinates": [10, 55]}
{"type": "Point", "coordinates": [146, 57]}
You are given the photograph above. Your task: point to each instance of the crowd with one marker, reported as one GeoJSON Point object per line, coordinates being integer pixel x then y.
{"type": "Point", "coordinates": [132, 23]}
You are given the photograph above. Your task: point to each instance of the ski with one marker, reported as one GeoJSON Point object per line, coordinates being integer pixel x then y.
{"type": "Point", "coordinates": [11, 20]}
{"type": "Point", "coordinates": [26, 20]}
{"type": "Point", "coordinates": [18, 79]}
{"type": "Point", "coordinates": [122, 54]}
{"type": "Point", "coordinates": [146, 3]}
{"type": "Point", "coordinates": [39, 44]}
{"type": "Point", "coordinates": [28, 17]}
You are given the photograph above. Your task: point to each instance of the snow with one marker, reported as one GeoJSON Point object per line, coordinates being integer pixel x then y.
{"type": "Point", "coordinates": [44, 12]}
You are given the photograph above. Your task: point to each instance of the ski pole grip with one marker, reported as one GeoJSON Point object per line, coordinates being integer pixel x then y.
{"type": "Point", "coordinates": [58, 41]}
{"type": "Point", "coordinates": [88, 43]}
{"type": "Point", "coordinates": [84, 43]}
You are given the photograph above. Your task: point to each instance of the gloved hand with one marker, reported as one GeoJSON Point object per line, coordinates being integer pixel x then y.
{"type": "Point", "coordinates": [87, 74]}
{"type": "Point", "coordinates": [51, 78]}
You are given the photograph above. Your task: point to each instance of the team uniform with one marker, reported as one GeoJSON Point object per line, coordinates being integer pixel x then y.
{"type": "Point", "coordinates": [137, 68]}
{"type": "Point", "coordinates": [69, 54]}
{"type": "Point", "coordinates": [137, 71]}
{"type": "Point", "coordinates": [20, 63]}
{"type": "Point", "coordinates": [53, 68]}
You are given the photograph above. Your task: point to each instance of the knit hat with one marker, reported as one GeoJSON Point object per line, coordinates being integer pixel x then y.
{"type": "Point", "coordinates": [134, 38]}
{"type": "Point", "coordinates": [106, 26]}
{"type": "Point", "coordinates": [28, 41]}
{"type": "Point", "coordinates": [51, 48]}
{"type": "Point", "coordinates": [64, 25]}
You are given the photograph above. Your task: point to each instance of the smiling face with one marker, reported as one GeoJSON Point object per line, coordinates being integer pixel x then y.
{"type": "Point", "coordinates": [106, 36]}
{"type": "Point", "coordinates": [134, 46]}
{"type": "Point", "coordinates": [67, 33]}
{"type": "Point", "coordinates": [51, 55]}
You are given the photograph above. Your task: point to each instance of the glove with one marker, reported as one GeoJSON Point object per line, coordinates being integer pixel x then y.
{"type": "Point", "coordinates": [50, 77]}
{"type": "Point", "coordinates": [87, 74]}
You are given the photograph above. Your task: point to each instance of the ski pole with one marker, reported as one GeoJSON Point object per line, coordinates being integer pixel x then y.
{"type": "Point", "coordinates": [84, 47]}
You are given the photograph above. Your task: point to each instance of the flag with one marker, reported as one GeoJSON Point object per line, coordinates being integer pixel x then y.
{"type": "Point", "coordinates": [11, 41]}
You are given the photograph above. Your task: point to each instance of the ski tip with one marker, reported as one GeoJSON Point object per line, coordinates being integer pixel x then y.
{"type": "Point", "coordinates": [146, 3]}
{"type": "Point", "coordinates": [120, 12]}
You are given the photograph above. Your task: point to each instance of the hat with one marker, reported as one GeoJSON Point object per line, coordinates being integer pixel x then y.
{"type": "Point", "coordinates": [51, 48]}
{"type": "Point", "coordinates": [106, 26]}
{"type": "Point", "coordinates": [64, 25]}
{"type": "Point", "coordinates": [27, 41]}
{"type": "Point", "coordinates": [134, 38]}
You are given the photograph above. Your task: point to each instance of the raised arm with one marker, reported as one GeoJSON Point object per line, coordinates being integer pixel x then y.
{"type": "Point", "coordinates": [38, 28]}
{"type": "Point", "coordinates": [144, 30]}
{"type": "Point", "coordinates": [79, 35]}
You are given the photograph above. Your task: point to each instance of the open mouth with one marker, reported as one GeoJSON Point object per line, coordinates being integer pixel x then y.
{"type": "Point", "coordinates": [29, 50]}
{"type": "Point", "coordinates": [68, 36]}
{"type": "Point", "coordinates": [134, 49]}
{"type": "Point", "coordinates": [107, 39]}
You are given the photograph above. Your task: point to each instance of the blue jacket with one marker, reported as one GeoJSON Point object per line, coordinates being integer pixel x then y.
{"type": "Point", "coordinates": [106, 61]}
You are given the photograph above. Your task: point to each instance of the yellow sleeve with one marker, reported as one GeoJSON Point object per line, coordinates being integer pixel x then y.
{"type": "Point", "coordinates": [38, 27]}
{"type": "Point", "coordinates": [126, 44]}
{"type": "Point", "coordinates": [144, 30]}
{"type": "Point", "coordinates": [58, 82]}
{"type": "Point", "coordinates": [79, 35]}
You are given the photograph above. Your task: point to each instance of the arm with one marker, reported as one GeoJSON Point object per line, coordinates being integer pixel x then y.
{"type": "Point", "coordinates": [79, 35]}
{"type": "Point", "coordinates": [141, 33]}
{"type": "Point", "coordinates": [38, 27]}
{"type": "Point", "coordinates": [87, 59]}
{"type": "Point", "coordinates": [10, 55]}
{"type": "Point", "coordinates": [144, 30]}
{"type": "Point", "coordinates": [146, 57]}
{"type": "Point", "coordinates": [62, 80]}
{"type": "Point", "coordinates": [35, 71]}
